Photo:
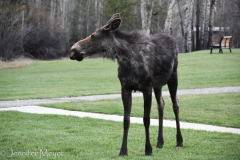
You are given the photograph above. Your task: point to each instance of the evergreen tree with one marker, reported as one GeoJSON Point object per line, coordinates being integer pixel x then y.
{"type": "Point", "coordinates": [128, 11]}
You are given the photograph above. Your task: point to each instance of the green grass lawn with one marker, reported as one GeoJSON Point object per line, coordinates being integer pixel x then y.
{"type": "Point", "coordinates": [216, 109]}
{"type": "Point", "coordinates": [61, 78]}
{"type": "Point", "coordinates": [32, 136]}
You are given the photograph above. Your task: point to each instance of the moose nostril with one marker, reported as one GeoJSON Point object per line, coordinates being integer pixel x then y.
{"type": "Point", "coordinates": [71, 54]}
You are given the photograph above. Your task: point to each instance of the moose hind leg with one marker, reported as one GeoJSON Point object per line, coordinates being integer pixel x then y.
{"type": "Point", "coordinates": [146, 120]}
{"type": "Point", "coordinates": [172, 86]}
{"type": "Point", "coordinates": [160, 103]}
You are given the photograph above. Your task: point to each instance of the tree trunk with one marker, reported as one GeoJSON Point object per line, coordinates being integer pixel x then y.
{"type": "Point", "coordinates": [169, 19]}
{"type": "Point", "coordinates": [182, 26]}
{"type": "Point", "coordinates": [143, 14]}
{"type": "Point", "coordinates": [198, 18]}
{"type": "Point", "coordinates": [98, 10]}
{"type": "Point", "coordinates": [146, 14]}
{"type": "Point", "coordinates": [211, 23]}
{"type": "Point", "coordinates": [188, 25]}
{"type": "Point", "coordinates": [53, 10]}
{"type": "Point", "coordinates": [87, 17]}
{"type": "Point", "coordinates": [207, 13]}
{"type": "Point", "coordinates": [193, 42]}
{"type": "Point", "coordinates": [202, 22]}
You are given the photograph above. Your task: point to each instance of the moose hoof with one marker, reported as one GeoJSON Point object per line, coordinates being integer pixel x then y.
{"type": "Point", "coordinates": [123, 152]}
{"type": "Point", "coordinates": [148, 154]}
{"type": "Point", "coordinates": [179, 145]}
{"type": "Point", "coordinates": [159, 146]}
{"type": "Point", "coordinates": [148, 151]}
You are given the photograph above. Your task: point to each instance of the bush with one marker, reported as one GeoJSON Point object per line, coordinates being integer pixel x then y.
{"type": "Point", "coordinates": [33, 35]}
{"type": "Point", "coordinates": [10, 45]}
{"type": "Point", "coordinates": [44, 44]}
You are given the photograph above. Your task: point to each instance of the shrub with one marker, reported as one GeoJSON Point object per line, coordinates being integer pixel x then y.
{"type": "Point", "coordinates": [33, 34]}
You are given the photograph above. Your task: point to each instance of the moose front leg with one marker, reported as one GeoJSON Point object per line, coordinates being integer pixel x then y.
{"type": "Point", "coordinates": [147, 95]}
{"type": "Point", "coordinates": [127, 104]}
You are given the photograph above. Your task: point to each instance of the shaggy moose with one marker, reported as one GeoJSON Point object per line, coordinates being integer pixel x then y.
{"type": "Point", "coordinates": [145, 63]}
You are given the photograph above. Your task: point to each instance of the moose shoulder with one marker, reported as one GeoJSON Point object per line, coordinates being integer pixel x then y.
{"type": "Point", "coordinates": [145, 63]}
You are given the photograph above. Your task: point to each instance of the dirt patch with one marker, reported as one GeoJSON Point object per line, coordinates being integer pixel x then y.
{"type": "Point", "coordinates": [18, 63]}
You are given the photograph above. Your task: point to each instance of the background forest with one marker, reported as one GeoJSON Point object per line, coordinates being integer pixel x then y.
{"type": "Point", "coordinates": [45, 29]}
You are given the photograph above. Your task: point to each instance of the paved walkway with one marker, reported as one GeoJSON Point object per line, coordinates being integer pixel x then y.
{"type": "Point", "coordinates": [154, 122]}
{"type": "Point", "coordinates": [29, 106]}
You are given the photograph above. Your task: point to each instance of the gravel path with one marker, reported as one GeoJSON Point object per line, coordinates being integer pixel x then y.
{"type": "Point", "coordinates": [19, 103]}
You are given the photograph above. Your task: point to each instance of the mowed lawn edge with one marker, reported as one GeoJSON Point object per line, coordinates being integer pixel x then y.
{"type": "Point", "coordinates": [66, 78]}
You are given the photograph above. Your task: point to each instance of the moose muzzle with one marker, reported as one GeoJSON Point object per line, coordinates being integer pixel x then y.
{"type": "Point", "coordinates": [76, 55]}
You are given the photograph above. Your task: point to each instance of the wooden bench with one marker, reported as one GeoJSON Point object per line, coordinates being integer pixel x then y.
{"type": "Point", "coordinates": [225, 42]}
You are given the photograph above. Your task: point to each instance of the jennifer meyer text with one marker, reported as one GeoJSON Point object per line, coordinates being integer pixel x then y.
{"type": "Point", "coordinates": [32, 153]}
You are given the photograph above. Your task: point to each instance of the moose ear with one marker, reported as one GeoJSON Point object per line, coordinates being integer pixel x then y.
{"type": "Point", "coordinates": [113, 25]}
{"type": "Point", "coordinates": [116, 15]}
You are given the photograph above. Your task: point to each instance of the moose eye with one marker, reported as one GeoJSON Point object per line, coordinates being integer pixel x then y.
{"type": "Point", "coordinates": [92, 36]}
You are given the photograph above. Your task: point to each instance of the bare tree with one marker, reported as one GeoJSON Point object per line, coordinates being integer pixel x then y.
{"type": "Point", "coordinates": [182, 25]}
{"type": "Point", "coordinates": [213, 2]}
{"type": "Point", "coordinates": [238, 7]}
{"type": "Point", "coordinates": [11, 29]}
{"type": "Point", "coordinates": [202, 8]}
{"type": "Point", "coordinates": [206, 24]}
{"type": "Point", "coordinates": [186, 23]}
{"type": "Point", "coordinates": [75, 19]}
{"type": "Point", "coordinates": [198, 19]}
{"type": "Point", "coordinates": [98, 8]}
{"type": "Point", "coordinates": [146, 14]}
{"type": "Point", "coordinates": [169, 19]}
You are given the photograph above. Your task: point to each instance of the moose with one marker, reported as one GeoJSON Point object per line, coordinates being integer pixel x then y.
{"type": "Point", "coordinates": [145, 63]}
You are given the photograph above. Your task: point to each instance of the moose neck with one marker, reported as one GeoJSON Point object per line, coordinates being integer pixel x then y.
{"type": "Point", "coordinates": [126, 47]}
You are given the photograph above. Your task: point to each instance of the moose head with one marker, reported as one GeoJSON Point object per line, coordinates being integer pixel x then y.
{"type": "Point", "coordinates": [97, 42]}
